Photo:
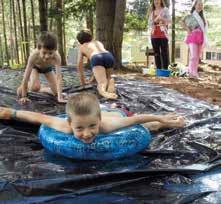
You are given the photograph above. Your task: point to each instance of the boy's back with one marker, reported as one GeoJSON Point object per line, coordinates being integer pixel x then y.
{"type": "Point", "coordinates": [101, 62]}
{"type": "Point", "coordinates": [91, 48]}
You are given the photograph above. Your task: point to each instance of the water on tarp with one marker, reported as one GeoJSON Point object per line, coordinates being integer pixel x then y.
{"type": "Point", "coordinates": [180, 166]}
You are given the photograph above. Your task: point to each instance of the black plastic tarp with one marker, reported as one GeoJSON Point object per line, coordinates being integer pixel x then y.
{"type": "Point", "coordinates": [180, 166]}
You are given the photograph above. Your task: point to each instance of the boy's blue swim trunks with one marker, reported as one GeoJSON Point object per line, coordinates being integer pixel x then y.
{"type": "Point", "coordinates": [44, 70]}
{"type": "Point", "coordinates": [104, 59]}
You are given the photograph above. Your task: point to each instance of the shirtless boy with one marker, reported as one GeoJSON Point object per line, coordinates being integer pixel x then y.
{"type": "Point", "coordinates": [101, 62]}
{"type": "Point", "coordinates": [42, 61]}
{"type": "Point", "coordinates": [86, 120]}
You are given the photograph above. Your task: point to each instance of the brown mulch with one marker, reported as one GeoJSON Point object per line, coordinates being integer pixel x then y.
{"type": "Point", "coordinates": [207, 88]}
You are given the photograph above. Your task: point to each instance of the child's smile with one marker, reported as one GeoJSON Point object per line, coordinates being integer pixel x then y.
{"type": "Point", "coordinates": [85, 128]}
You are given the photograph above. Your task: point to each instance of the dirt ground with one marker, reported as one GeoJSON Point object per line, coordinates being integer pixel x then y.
{"type": "Point", "coordinates": [208, 87]}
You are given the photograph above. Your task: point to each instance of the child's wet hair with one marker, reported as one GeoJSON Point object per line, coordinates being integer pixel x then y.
{"type": "Point", "coordinates": [84, 36]}
{"type": "Point", "coordinates": [47, 40]}
{"type": "Point", "coordinates": [83, 104]}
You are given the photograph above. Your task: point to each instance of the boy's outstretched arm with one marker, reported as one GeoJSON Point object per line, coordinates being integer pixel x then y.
{"type": "Point", "coordinates": [57, 123]}
{"type": "Point", "coordinates": [110, 124]}
{"type": "Point", "coordinates": [80, 68]}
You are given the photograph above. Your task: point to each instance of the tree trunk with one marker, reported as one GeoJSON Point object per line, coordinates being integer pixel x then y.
{"type": "Point", "coordinates": [33, 21]}
{"type": "Point", "coordinates": [43, 15]}
{"type": "Point", "coordinates": [109, 26]}
{"type": "Point", "coordinates": [90, 21]}
{"type": "Point", "coordinates": [11, 37]}
{"type": "Point", "coordinates": [118, 31]}
{"type": "Point", "coordinates": [25, 30]}
{"type": "Point", "coordinates": [1, 51]}
{"type": "Point", "coordinates": [51, 19]}
{"type": "Point", "coordinates": [4, 33]}
{"type": "Point", "coordinates": [64, 36]}
{"type": "Point", "coordinates": [105, 11]}
{"type": "Point", "coordinates": [60, 30]}
{"type": "Point", "coordinates": [23, 54]}
{"type": "Point", "coordinates": [15, 30]}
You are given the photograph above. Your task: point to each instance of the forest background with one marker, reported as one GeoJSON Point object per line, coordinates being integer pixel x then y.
{"type": "Point", "coordinates": [110, 22]}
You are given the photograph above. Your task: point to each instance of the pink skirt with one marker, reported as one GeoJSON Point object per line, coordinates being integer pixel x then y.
{"type": "Point", "coordinates": [196, 36]}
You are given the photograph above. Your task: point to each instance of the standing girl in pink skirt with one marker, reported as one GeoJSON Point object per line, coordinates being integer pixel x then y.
{"type": "Point", "coordinates": [196, 27]}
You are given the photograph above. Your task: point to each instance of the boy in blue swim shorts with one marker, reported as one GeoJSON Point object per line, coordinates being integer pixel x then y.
{"type": "Point", "coordinates": [86, 119]}
{"type": "Point", "coordinates": [42, 61]}
{"type": "Point", "coordinates": [101, 62]}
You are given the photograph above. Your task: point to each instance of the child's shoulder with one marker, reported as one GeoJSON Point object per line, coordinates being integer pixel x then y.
{"type": "Point", "coordinates": [34, 55]}
{"type": "Point", "coordinates": [97, 41]}
{"type": "Point", "coordinates": [34, 52]}
{"type": "Point", "coordinates": [57, 57]}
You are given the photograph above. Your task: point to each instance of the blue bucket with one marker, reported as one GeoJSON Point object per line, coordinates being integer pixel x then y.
{"type": "Point", "coordinates": [163, 72]}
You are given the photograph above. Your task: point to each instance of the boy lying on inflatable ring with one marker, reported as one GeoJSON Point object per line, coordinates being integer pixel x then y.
{"type": "Point", "coordinates": [86, 120]}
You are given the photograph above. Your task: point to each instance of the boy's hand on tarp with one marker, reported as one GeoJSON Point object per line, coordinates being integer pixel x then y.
{"type": "Point", "coordinates": [6, 113]}
{"type": "Point", "coordinates": [24, 100]}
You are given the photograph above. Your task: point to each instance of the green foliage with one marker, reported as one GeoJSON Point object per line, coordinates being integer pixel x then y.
{"type": "Point", "coordinates": [136, 15]}
{"type": "Point", "coordinates": [134, 22]}
{"type": "Point", "coordinates": [139, 7]}
{"type": "Point", "coordinates": [54, 12]}
{"type": "Point", "coordinates": [79, 8]}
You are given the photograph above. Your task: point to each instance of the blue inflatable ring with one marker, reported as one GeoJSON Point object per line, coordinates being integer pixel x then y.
{"type": "Point", "coordinates": [121, 143]}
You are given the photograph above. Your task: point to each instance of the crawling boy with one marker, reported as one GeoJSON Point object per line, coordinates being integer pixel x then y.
{"type": "Point", "coordinates": [101, 62]}
{"type": "Point", "coordinates": [42, 61]}
{"type": "Point", "coordinates": [86, 120]}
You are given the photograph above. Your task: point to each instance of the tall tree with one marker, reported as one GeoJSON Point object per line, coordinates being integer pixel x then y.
{"type": "Point", "coordinates": [4, 32]}
{"type": "Point", "coordinates": [15, 30]}
{"type": "Point", "coordinates": [64, 34]}
{"type": "Point", "coordinates": [118, 30]}
{"type": "Point", "coordinates": [109, 25]}
{"type": "Point", "coordinates": [23, 54]}
{"type": "Point", "coordinates": [59, 19]}
{"type": "Point", "coordinates": [51, 22]}
{"type": "Point", "coordinates": [43, 14]}
{"type": "Point", "coordinates": [81, 9]}
{"type": "Point", "coordinates": [11, 37]}
{"type": "Point", "coordinates": [90, 20]}
{"type": "Point", "coordinates": [27, 49]}
{"type": "Point", "coordinates": [1, 51]}
{"type": "Point", "coordinates": [33, 21]}
{"type": "Point", "coordinates": [105, 11]}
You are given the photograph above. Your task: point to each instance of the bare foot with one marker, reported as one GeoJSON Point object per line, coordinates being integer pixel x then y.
{"type": "Point", "coordinates": [5, 113]}
{"type": "Point", "coordinates": [109, 95]}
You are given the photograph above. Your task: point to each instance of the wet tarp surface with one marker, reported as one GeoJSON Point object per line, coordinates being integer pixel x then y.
{"type": "Point", "coordinates": [180, 166]}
